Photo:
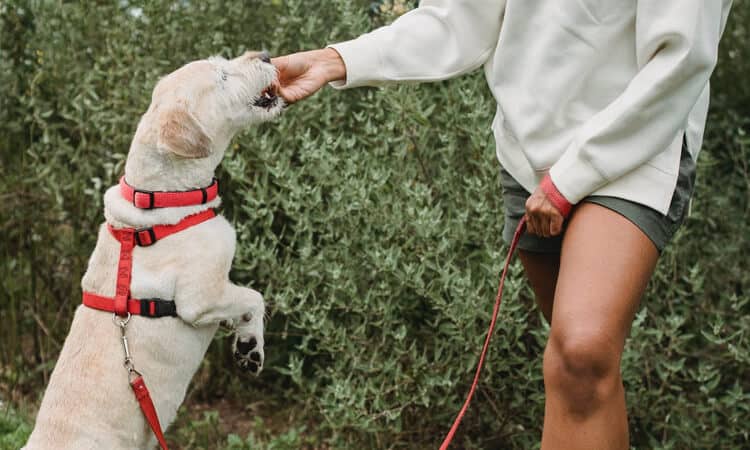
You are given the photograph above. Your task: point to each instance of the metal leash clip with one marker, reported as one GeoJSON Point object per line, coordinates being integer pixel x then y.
{"type": "Point", "coordinates": [128, 362]}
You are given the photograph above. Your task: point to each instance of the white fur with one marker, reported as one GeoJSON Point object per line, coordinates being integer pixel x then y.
{"type": "Point", "coordinates": [88, 403]}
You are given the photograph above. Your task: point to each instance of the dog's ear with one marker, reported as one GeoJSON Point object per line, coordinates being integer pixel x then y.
{"type": "Point", "coordinates": [181, 134]}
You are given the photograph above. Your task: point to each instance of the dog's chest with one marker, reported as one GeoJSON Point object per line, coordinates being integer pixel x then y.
{"type": "Point", "coordinates": [151, 279]}
{"type": "Point", "coordinates": [154, 270]}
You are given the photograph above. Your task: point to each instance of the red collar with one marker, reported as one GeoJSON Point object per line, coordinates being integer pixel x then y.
{"type": "Point", "coordinates": [144, 199]}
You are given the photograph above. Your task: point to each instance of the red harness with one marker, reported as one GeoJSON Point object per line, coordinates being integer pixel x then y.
{"type": "Point", "coordinates": [122, 304]}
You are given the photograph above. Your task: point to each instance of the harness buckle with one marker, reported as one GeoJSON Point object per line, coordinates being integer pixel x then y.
{"type": "Point", "coordinates": [145, 237]}
{"type": "Point", "coordinates": [155, 307]}
{"type": "Point", "coordinates": [138, 200]}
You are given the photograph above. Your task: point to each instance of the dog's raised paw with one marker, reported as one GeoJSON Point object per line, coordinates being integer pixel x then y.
{"type": "Point", "coordinates": [248, 354]}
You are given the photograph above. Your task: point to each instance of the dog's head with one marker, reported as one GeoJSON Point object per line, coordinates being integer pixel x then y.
{"type": "Point", "coordinates": [197, 109]}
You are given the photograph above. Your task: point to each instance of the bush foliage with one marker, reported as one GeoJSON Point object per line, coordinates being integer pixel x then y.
{"type": "Point", "coordinates": [371, 221]}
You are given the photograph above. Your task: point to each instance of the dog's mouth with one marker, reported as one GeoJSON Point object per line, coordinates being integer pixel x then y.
{"type": "Point", "coordinates": [268, 97]}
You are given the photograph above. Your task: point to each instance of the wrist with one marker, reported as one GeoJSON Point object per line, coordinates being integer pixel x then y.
{"type": "Point", "coordinates": [331, 63]}
{"type": "Point", "coordinates": [555, 197]}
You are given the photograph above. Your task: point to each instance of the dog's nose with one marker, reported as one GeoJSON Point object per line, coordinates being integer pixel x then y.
{"type": "Point", "coordinates": [265, 57]}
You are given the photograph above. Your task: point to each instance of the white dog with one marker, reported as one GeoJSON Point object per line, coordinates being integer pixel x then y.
{"type": "Point", "coordinates": [194, 113]}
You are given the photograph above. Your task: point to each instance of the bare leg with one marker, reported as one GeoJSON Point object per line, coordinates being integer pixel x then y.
{"type": "Point", "coordinates": [541, 270]}
{"type": "Point", "coordinates": [605, 264]}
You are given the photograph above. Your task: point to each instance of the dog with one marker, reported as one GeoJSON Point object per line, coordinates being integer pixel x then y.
{"type": "Point", "coordinates": [194, 113]}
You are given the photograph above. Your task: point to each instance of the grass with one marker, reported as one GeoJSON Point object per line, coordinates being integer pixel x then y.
{"type": "Point", "coordinates": [216, 425]}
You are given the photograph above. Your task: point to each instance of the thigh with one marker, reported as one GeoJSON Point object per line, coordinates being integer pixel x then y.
{"type": "Point", "coordinates": [541, 270]}
{"type": "Point", "coordinates": [605, 264]}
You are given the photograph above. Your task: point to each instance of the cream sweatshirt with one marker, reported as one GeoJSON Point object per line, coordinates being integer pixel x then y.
{"type": "Point", "coordinates": [597, 93]}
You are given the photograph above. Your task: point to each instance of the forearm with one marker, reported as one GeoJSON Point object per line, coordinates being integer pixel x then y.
{"type": "Point", "coordinates": [438, 40]}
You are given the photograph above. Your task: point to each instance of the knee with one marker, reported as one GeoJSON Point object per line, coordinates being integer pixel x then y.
{"type": "Point", "coordinates": [582, 369]}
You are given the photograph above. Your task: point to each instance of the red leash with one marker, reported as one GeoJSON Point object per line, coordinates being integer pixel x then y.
{"type": "Point", "coordinates": [139, 387]}
{"type": "Point", "coordinates": [564, 207]}
{"type": "Point", "coordinates": [149, 411]}
{"type": "Point", "coordinates": [498, 300]}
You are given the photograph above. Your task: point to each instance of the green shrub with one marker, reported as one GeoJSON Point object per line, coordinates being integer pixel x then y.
{"type": "Point", "coordinates": [14, 429]}
{"type": "Point", "coordinates": [371, 221]}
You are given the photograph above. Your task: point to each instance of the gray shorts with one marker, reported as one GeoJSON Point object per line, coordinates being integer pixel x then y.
{"type": "Point", "coordinates": [659, 228]}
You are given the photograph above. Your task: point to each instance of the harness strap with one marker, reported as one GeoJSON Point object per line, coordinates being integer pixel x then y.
{"type": "Point", "coordinates": [145, 199]}
{"type": "Point", "coordinates": [124, 271]}
{"type": "Point", "coordinates": [498, 300]}
{"type": "Point", "coordinates": [121, 304]}
{"type": "Point", "coordinates": [148, 236]}
{"type": "Point", "coordinates": [151, 307]}
{"type": "Point", "coordinates": [149, 411]}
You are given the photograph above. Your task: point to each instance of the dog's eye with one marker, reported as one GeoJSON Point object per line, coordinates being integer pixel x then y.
{"type": "Point", "coordinates": [224, 75]}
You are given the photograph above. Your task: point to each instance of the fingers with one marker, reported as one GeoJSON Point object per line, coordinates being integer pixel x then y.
{"type": "Point", "coordinates": [290, 94]}
{"type": "Point", "coordinates": [292, 73]}
{"type": "Point", "coordinates": [555, 225]}
{"type": "Point", "coordinates": [281, 63]}
{"type": "Point", "coordinates": [542, 218]}
{"type": "Point", "coordinates": [302, 74]}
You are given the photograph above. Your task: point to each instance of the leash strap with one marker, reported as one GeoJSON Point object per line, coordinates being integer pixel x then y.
{"type": "Point", "coordinates": [149, 411]}
{"type": "Point", "coordinates": [498, 300]}
{"type": "Point", "coordinates": [564, 207]}
{"type": "Point", "coordinates": [145, 199]}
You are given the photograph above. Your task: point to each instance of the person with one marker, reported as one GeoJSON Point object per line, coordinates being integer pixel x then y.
{"type": "Point", "coordinates": [603, 102]}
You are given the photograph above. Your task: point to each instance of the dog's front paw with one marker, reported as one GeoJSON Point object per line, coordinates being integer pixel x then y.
{"type": "Point", "coordinates": [248, 348]}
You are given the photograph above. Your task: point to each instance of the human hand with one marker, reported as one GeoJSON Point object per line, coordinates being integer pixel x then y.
{"type": "Point", "coordinates": [546, 210]}
{"type": "Point", "coordinates": [304, 73]}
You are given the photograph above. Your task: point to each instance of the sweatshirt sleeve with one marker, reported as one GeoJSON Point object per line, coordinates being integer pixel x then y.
{"type": "Point", "coordinates": [677, 47]}
{"type": "Point", "coordinates": [438, 40]}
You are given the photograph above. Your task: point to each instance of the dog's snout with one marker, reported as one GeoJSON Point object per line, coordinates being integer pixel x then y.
{"type": "Point", "coordinates": [265, 57]}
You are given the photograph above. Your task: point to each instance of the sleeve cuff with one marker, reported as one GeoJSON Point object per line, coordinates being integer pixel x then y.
{"type": "Point", "coordinates": [362, 62]}
{"type": "Point", "coordinates": [574, 178]}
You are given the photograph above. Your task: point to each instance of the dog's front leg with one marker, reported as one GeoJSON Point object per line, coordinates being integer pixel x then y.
{"type": "Point", "coordinates": [248, 334]}
{"type": "Point", "coordinates": [243, 309]}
